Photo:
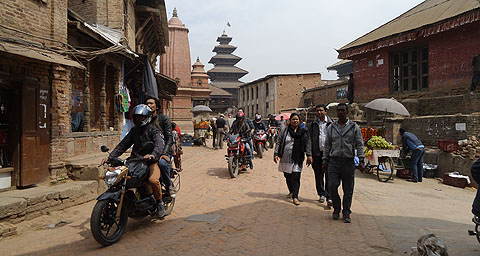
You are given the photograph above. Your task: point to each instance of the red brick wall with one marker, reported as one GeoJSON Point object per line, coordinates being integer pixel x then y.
{"type": "Point", "coordinates": [47, 20]}
{"type": "Point", "coordinates": [450, 70]}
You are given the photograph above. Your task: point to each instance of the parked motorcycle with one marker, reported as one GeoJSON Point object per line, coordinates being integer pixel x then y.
{"type": "Point", "coordinates": [272, 136]}
{"type": "Point", "coordinates": [237, 156]}
{"type": "Point", "coordinates": [259, 142]}
{"type": "Point", "coordinates": [125, 197]}
{"type": "Point", "coordinates": [476, 221]}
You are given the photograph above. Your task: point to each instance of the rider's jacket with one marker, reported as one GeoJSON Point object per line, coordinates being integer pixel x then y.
{"type": "Point", "coordinates": [259, 126]}
{"type": "Point", "coordinates": [162, 122]}
{"type": "Point", "coordinates": [137, 137]}
{"type": "Point", "coordinates": [241, 128]}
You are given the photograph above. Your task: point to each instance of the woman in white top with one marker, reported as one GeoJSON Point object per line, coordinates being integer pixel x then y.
{"type": "Point", "coordinates": [292, 145]}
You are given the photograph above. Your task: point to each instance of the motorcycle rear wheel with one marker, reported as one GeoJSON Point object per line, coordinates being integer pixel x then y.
{"type": "Point", "coordinates": [233, 166]}
{"type": "Point", "coordinates": [260, 150]}
{"type": "Point", "coordinates": [103, 219]}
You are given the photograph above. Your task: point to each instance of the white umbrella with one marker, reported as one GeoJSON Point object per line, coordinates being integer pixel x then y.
{"type": "Point", "coordinates": [388, 105]}
{"type": "Point", "coordinates": [200, 108]}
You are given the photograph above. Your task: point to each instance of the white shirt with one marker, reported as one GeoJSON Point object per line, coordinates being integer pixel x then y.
{"type": "Point", "coordinates": [322, 133]}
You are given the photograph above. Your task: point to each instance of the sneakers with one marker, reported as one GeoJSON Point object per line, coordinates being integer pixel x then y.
{"type": "Point", "coordinates": [329, 202]}
{"type": "Point", "coordinates": [346, 218]}
{"type": "Point", "coordinates": [335, 215]}
{"type": "Point", "coordinates": [322, 199]}
{"type": "Point", "coordinates": [172, 191]}
{"type": "Point", "coordinates": [295, 201]}
{"type": "Point", "coordinates": [251, 164]}
{"type": "Point", "coordinates": [160, 209]}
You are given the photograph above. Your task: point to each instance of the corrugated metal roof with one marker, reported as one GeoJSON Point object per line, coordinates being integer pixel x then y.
{"type": "Point", "coordinates": [427, 13]}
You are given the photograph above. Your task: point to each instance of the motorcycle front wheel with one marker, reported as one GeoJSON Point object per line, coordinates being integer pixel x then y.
{"type": "Point", "coordinates": [233, 166]}
{"type": "Point", "coordinates": [105, 228]}
{"type": "Point", "coordinates": [260, 150]}
{"type": "Point", "coordinates": [271, 142]}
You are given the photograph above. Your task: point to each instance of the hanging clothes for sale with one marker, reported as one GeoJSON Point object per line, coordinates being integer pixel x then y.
{"type": "Point", "coordinates": [149, 81]}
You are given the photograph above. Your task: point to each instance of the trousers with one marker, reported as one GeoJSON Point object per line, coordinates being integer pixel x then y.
{"type": "Point", "coordinates": [341, 170]}
{"type": "Point", "coordinates": [321, 186]}
{"type": "Point", "coordinates": [293, 182]}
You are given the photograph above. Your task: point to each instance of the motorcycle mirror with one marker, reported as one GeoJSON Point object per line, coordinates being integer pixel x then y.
{"type": "Point", "coordinates": [104, 148]}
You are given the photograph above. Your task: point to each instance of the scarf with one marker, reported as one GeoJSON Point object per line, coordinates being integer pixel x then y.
{"type": "Point", "coordinates": [298, 154]}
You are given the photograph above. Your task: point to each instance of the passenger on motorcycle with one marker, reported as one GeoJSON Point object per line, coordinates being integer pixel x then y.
{"type": "Point", "coordinates": [242, 128]}
{"type": "Point", "coordinates": [142, 132]}
{"type": "Point", "coordinates": [162, 122]}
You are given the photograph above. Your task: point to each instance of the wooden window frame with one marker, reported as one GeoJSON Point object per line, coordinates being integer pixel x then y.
{"type": "Point", "coordinates": [409, 70]}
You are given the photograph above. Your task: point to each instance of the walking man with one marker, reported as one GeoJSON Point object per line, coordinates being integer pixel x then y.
{"type": "Point", "coordinates": [411, 142]}
{"type": "Point", "coordinates": [221, 126]}
{"type": "Point", "coordinates": [343, 137]}
{"type": "Point", "coordinates": [318, 133]}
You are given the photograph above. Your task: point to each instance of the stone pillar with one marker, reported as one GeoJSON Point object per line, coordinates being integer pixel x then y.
{"type": "Point", "coordinates": [86, 99]}
{"type": "Point", "coordinates": [103, 97]}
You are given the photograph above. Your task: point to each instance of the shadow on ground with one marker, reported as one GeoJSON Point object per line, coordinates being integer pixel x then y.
{"type": "Point", "coordinates": [270, 227]}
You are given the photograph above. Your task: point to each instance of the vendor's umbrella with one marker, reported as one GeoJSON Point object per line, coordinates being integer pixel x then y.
{"type": "Point", "coordinates": [200, 108]}
{"type": "Point", "coordinates": [285, 116]}
{"type": "Point", "coordinates": [388, 105]}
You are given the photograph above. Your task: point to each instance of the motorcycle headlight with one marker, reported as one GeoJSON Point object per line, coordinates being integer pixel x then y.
{"type": "Point", "coordinates": [112, 176]}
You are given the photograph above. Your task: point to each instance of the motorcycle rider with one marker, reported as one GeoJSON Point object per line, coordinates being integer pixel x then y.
{"type": "Point", "coordinates": [142, 132]}
{"type": "Point", "coordinates": [250, 126]}
{"type": "Point", "coordinates": [242, 128]}
{"type": "Point", "coordinates": [162, 122]}
{"type": "Point", "coordinates": [258, 124]}
{"type": "Point", "coordinates": [272, 122]}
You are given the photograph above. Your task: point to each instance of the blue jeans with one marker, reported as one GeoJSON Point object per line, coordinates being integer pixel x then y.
{"type": "Point", "coordinates": [417, 164]}
{"type": "Point", "coordinates": [165, 171]}
{"type": "Point", "coordinates": [250, 143]}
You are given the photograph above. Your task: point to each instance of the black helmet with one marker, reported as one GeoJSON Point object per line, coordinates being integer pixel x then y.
{"type": "Point", "coordinates": [142, 115]}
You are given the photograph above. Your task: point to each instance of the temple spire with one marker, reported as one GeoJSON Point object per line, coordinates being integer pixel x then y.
{"type": "Point", "coordinates": [175, 14]}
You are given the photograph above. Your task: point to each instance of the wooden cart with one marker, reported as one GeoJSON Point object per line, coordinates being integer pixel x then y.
{"type": "Point", "coordinates": [383, 161]}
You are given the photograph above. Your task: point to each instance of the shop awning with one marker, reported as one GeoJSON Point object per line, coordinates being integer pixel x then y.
{"type": "Point", "coordinates": [38, 54]}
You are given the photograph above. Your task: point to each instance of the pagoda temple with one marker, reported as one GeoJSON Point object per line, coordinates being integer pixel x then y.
{"type": "Point", "coordinates": [225, 74]}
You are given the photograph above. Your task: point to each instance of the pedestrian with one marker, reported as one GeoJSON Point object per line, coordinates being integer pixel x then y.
{"type": "Point", "coordinates": [282, 121]}
{"type": "Point", "coordinates": [411, 142]}
{"type": "Point", "coordinates": [350, 89]}
{"type": "Point", "coordinates": [343, 137]}
{"type": "Point", "coordinates": [214, 131]}
{"type": "Point", "coordinates": [221, 126]}
{"type": "Point", "coordinates": [475, 171]}
{"type": "Point", "coordinates": [317, 130]}
{"type": "Point", "coordinates": [177, 149]}
{"type": "Point", "coordinates": [292, 145]}
{"type": "Point", "coordinates": [476, 73]}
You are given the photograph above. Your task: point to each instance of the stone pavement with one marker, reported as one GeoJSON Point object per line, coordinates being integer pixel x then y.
{"type": "Point", "coordinates": [256, 219]}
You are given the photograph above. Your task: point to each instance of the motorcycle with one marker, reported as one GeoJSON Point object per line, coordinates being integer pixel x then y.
{"type": "Point", "coordinates": [125, 197]}
{"type": "Point", "coordinates": [259, 142]}
{"type": "Point", "coordinates": [272, 136]}
{"type": "Point", "coordinates": [237, 156]}
{"type": "Point", "coordinates": [476, 221]}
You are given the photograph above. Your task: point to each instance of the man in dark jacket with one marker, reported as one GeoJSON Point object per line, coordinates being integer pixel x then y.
{"type": "Point", "coordinates": [144, 131]}
{"type": "Point", "coordinates": [411, 142]}
{"type": "Point", "coordinates": [162, 122]}
{"type": "Point", "coordinates": [343, 137]}
{"type": "Point", "coordinates": [318, 132]}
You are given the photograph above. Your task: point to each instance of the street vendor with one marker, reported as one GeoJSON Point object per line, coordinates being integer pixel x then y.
{"type": "Point", "coordinates": [411, 142]}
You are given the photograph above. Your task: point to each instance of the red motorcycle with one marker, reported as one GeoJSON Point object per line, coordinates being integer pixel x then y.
{"type": "Point", "coordinates": [272, 136]}
{"type": "Point", "coordinates": [237, 155]}
{"type": "Point", "coordinates": [259, 142]}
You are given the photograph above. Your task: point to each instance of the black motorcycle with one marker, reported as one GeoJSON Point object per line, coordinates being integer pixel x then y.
{"type": "Point", "coordinates": [126, 197]}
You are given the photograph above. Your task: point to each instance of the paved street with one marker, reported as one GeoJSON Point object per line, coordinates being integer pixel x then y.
{"type": "Point", "coordinates": [255, 218]}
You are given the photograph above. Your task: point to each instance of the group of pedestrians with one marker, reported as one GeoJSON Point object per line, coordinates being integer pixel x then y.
{"type": "Point", "coordinates": [329, 146]}
{"type": "Point", "coordinates": [219, 128]}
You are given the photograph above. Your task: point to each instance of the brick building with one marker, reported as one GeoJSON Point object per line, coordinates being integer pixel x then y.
{"type": "Point", "coordinates": [41, 86]}
{"type": "Point", "coordinates": [424, 59]}
{"type": "Point", "coordinates": [192, 85]}
{"type": "Point", "coordinates": [272, 93]}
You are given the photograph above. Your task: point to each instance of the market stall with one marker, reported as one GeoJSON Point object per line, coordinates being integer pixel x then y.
{"type": "Point", "coordinates": [201, 124]}
{"type": "Point", "coordinates": [381, 155]}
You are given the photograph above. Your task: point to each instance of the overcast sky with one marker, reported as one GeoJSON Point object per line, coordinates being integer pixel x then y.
{"type": "Point", "coordinates": [282, 36]}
